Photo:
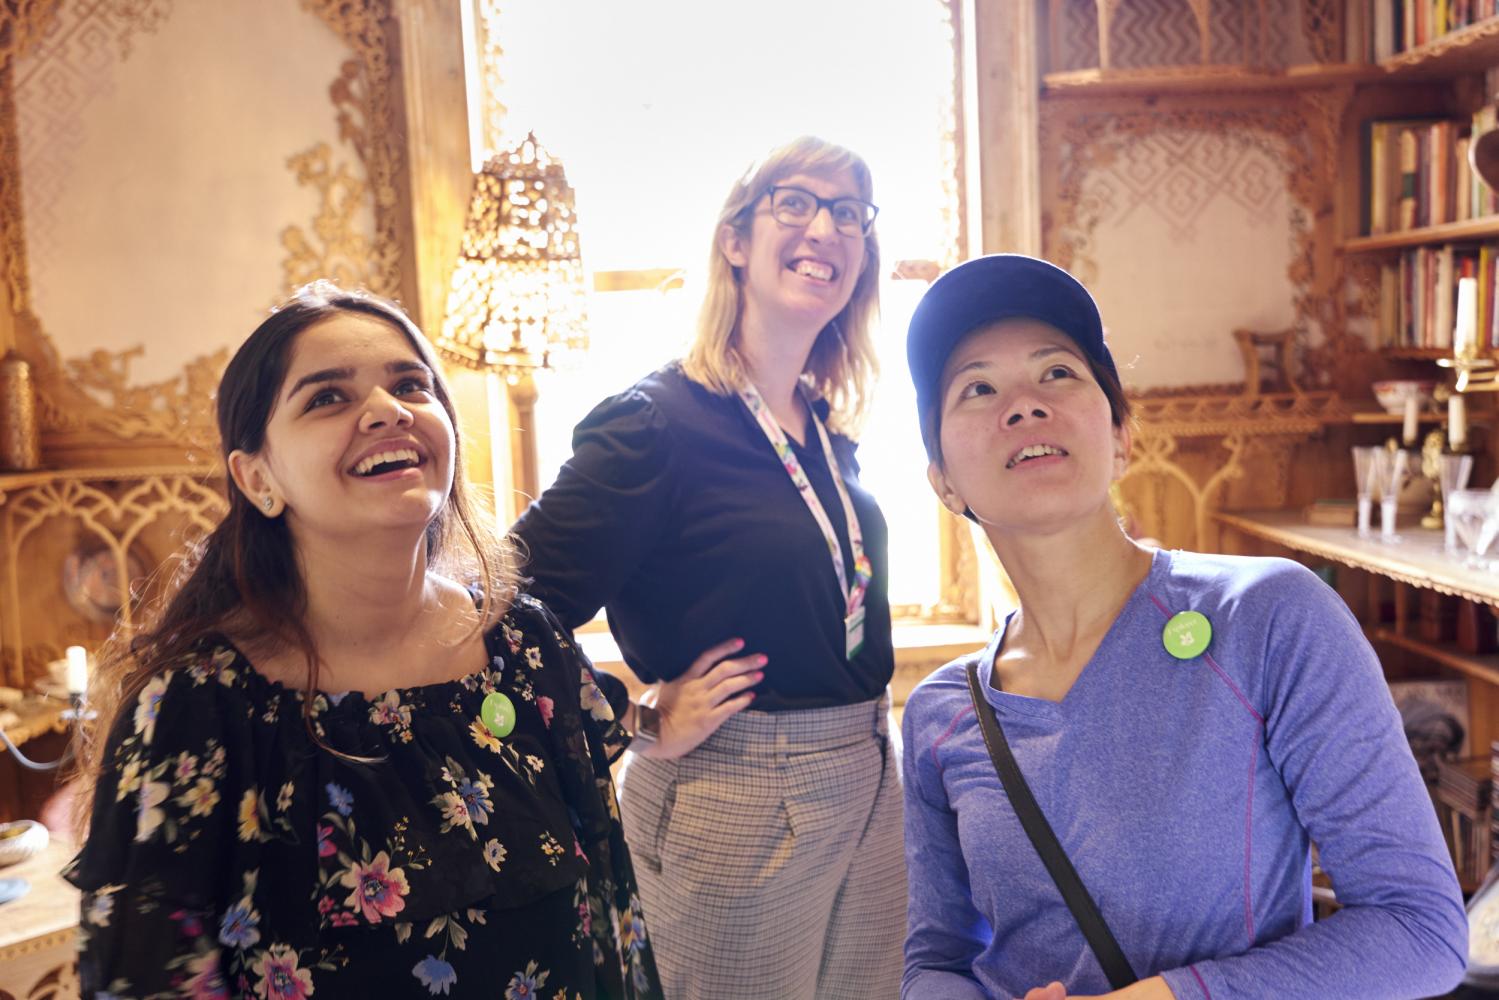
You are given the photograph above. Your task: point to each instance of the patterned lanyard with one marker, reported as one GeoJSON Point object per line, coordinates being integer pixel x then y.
{"type": "Point", "coordinates": [862, 572]}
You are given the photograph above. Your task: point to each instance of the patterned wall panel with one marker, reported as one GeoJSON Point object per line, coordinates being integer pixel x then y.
{"type": "Point", "coordinates": [171, 189]}
{"type": "Point", "coordinates": [1187, 225]}
{"type": "Point", "coordinates": [1164, 33]}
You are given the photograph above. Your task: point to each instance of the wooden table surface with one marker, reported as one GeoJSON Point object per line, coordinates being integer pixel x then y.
{"type": "Point", "coordinates": [38, 931]}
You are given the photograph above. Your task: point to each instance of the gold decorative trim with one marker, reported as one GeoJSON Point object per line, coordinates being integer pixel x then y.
{"type": "Point", "coordinates": [1255, 431]}
{"type": "Point", "coordinates": [22, 22]}
{"type": "Point", "coordinates": [364, 96]}
{"type": "Point", "coordinates": [1212, 415]}
{"type": "Point", "coordinates": [491, 79]}
{"type": "Point", "coordinates": [40, 944]}
{"type": "Point", "coordinates": [336, 249]}
{"type": "Point", "coordinates": [143, 497]}
{"type": "Point", "coordinates": [16, 283]}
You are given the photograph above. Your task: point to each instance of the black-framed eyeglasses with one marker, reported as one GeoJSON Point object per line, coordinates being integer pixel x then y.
{"type": "Point", "coordinates": [794, 206]}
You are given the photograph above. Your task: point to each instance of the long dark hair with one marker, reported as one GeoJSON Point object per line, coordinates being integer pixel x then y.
{"type": "Point", "coordinates": [243, 575]}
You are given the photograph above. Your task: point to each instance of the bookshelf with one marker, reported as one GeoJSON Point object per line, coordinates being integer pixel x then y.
{"type": "Point", "coordinates": [1484, 228]}
{"type": "Point", "coordinates": [1473, 49]}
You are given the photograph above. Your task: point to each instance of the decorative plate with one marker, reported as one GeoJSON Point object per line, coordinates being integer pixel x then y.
{"type": "Point", "coordinates": [92, 585]}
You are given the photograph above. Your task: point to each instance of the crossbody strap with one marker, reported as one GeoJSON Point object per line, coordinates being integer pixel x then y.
{"type": "Point", "coordinates": [1084, 910]}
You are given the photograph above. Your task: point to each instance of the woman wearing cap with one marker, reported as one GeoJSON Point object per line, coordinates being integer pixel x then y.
{"type": "Point", "coordinates": [712, 507]}
{"type": "Point", "coordinates": [1188, 724]}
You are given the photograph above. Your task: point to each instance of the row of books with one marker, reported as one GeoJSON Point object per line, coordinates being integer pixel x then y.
{"type": "Point", "coordinates": [1398, 25]}
{"type": "Point", "coordinates": [1418, 295]}
{"type": "Point", "coordinates": [1417, 174]}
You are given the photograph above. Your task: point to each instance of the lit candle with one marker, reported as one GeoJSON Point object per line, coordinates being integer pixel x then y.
{"type": "Point", "coordinates": [1412, 412]}
{"type": "Point", "coordinates": [1457, 421]}
{"type": "Point", "coordinates": [77, 675]}
{"type": "Point", "coordinates": [1465, 333]}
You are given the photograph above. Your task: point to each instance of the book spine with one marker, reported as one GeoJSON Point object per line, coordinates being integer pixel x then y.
{"type": "Point", "coordinates": [1409, 160]}
{"type": "Point", "coordinates": [1462, 180]}
{"type": "Point", "coordinates": [1377, 205]}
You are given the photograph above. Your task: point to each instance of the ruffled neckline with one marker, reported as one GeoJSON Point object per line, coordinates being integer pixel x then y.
{"type": "Point", "coordinates": [252, 680]}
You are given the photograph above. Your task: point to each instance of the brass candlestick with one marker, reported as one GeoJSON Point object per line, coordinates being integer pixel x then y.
{"type": "Point", "coordinates": [1431, 467]}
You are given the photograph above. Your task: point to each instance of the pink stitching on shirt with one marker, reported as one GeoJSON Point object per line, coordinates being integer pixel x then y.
{"type": "Point", "coordinates": [1205, 991]}
{"type": "Point", "coordinates": [950, 727]}
{"type": "Point", "coordinates": [1254, 759]}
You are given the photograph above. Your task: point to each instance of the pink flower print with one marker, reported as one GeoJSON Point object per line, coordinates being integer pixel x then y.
{"type": "Point", "coordinates": [343, 918]}
{"type": "Point", "coordinates": [389, 711]}
{"type": "Point", "coordinates": [545, 705]}
{"type": "Point", "coordinates": [325, 905]}
{"type": "Point", "coordinates": [280, 978]}
{"type": "Point", "coordinates": [325, 848]}
{"type": "Point", "coordinates": [376, 888]}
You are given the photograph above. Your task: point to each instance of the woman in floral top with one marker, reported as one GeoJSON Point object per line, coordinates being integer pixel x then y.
{"type": "Point", "coordinates": [330, 770]}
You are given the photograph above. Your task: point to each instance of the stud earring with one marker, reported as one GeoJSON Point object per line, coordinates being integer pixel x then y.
{"type": "Point", "coordinates": [269, 503]}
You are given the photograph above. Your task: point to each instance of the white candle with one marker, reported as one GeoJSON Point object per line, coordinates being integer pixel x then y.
{"type": "Point", "coordinates": [1465, 332]}
{"type": "Point", "coordinates": [1412, 411]}
{"type": "Point", "coordinates": [77, 676]}
{"type": "Point", "coordinates": [1457, 421]}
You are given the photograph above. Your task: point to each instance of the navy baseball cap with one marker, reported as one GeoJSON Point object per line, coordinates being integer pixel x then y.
{"type": "Point", "coordinates": [985, 289]}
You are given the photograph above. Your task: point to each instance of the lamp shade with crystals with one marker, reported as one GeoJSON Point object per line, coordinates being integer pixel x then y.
{"type": "Point", "coordinates": [516, 302]}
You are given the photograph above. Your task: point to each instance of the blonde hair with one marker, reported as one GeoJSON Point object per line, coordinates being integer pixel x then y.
{"type": "Point", "coordinates": [841, 367]}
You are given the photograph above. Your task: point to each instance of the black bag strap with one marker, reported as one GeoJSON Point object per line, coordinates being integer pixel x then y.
{"type": "Point", "coordinates": [1084, 910]}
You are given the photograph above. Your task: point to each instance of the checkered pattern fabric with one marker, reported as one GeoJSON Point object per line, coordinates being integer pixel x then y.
{"type": "Point", "coordinates": [770, 859]}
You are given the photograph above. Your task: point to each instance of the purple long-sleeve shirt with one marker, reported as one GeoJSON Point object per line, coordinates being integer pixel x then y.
{"type": "Point", "coordinates": [1187, 794]}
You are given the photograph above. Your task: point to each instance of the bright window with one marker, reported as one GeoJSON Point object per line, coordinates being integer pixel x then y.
{"type": "Point", "coordinates": [656, 106]}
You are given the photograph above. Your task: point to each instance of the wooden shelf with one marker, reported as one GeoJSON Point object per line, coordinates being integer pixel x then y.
{"type": "Point", "coordinates": [1468, 50]}
{"type": "Point", "coordinates": [1468, 230]}
{"type": "Point", "coordinates": [1485, 668]}
{"type": "Point", "coordinates": [1414, 353]}
{"type": "Point", "coordinates": [1383, 417]}
{"type": "Point", "coordinates": [1194, 79]}
{"type": "Point", "coordinates": [1418, 559]}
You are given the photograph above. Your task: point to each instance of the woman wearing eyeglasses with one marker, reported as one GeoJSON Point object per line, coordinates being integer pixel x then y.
{"type": "Point", "coordinates": [716, 506]}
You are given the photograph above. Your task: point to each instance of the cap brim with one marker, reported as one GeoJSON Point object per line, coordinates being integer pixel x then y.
{"type": "Point", "coordinates": [991, 288]}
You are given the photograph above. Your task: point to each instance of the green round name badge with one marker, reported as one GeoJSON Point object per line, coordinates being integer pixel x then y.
{"type": "Point", "coordinates": [498, 714]}
{"type": "Point", "coordinates": [1187, 634]}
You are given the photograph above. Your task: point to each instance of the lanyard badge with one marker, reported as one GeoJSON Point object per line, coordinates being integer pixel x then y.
{"type": "Point", "coordinates": [853, 620]}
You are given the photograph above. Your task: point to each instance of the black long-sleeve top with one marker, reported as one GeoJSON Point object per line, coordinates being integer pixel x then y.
{"type": "Point", "coordinates": [675, 514]}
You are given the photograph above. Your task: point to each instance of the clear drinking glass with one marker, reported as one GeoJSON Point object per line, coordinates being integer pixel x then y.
{"type": "Point", "coordinates": [1475, 521]}
{"type": "Point", "coordinates": [1453, 476]}
{"type": "Point", "coordinates": [1390, 476]}
{"type": "Point", "coordinates": [1363, 474]}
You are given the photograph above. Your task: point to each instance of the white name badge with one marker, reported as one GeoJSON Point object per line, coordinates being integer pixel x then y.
{"type": "Point", "coordinates": [853, 627]}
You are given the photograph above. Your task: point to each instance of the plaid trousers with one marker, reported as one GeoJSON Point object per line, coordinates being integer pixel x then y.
{"type": "Point", "coordinates": [771, 859]}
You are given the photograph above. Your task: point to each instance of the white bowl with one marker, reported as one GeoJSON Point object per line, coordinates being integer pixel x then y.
{"type": "Point", "coordinates": [1392, 393]}
{"type": "Point", "coordinates": [20, 840]}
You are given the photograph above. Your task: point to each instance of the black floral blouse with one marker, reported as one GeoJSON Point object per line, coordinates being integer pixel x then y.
{"type": "Point", "coordinates": [230, 856]}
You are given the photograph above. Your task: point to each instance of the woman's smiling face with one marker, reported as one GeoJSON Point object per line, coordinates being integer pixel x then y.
{"type": "Point", "coordinates": [801, 275]}
{"type": "Point", "coordinates": [357, 439]}
{"type": "Point", "coordinates": [1027, 440]}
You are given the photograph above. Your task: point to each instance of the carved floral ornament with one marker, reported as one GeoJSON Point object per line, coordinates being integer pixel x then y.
{"type": "Point", "coordinates": [93, 398]}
